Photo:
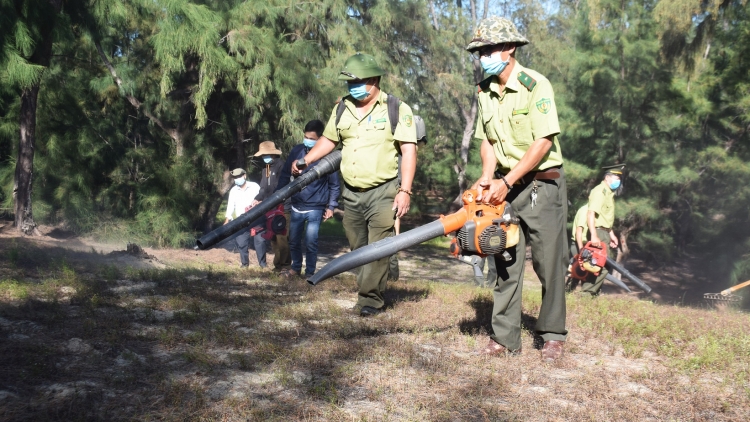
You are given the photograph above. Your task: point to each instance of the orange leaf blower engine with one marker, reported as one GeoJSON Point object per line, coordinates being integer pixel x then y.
{"type": "Point", "coordinates": [484, 230]}
{"type": "Point", "coordinates": [590, 260]}
{"type": "Point", "coordinates": [479, 230]}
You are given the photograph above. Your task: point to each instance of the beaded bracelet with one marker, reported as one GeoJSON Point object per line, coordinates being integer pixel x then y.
{"type": "Point", "coordinates": [507, 185]}
{"type": "Point", "coordinates": [408, 192]}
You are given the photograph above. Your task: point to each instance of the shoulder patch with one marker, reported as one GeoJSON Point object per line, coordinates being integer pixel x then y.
{"type": "Point", "coordinates": [526, 80]}
{"type": "Point", "coordinates": [407, 120]}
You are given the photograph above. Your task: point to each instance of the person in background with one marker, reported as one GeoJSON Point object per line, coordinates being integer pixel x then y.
{"type": "Point", "coordinates": [580, 230]}
{"type": "Point", "coordinates": [600, 218]}
{"type": "Point", "coordinates": [577, 239]}
{"type": "Point", "coordinates": [309, 207]}
{"type": "Point", "coordinates": [241, 198]}
{"type": "Point", "coordinates": [271, 166]}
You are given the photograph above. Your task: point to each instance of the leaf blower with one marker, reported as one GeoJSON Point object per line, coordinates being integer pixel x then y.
{"type": "Point", "coordinates": [591, 260]}
{"type": "Point", "coordinates": [479, 229]}
{"type": "Point", "coordinates": [275, 223]}
{"type": "Point", "coordinates": [324, 167]}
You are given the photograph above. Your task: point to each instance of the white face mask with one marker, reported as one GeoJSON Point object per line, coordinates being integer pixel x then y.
{"type": "Point", "coordinates": [240, 181]}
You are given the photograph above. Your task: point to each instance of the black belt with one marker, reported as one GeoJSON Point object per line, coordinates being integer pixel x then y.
{"type": "Point", "coordinates": [355, 189]}
{"type": "Point", "coordinates": [549, 174]}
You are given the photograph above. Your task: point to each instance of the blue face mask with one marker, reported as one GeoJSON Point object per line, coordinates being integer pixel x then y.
{"type": "Point", "coordinates": [267, 159]}
{"type": "Point", "coordinates": [309, 143]}
{"type": "Point", "coordinates": [614, 185]}
{"type": "Point", "coordinates": [493, 65]}
{"type": "Point", "coordinates": [358, 91]}
{"type": "Point", "coordinates": [240, 181]}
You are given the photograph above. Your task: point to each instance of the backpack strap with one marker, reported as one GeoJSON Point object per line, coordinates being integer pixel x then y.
{"type": "Point", "coordinates": [339, 112]}
{"type": "Point", "coordinates": [393, 104]}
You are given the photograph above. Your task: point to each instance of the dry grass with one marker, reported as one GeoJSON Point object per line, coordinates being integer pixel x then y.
{"type": "Point", "coordinates": [87, 341]}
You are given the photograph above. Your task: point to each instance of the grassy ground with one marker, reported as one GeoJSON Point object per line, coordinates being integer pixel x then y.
{"type": "Point", "coordinates": [82, 338]}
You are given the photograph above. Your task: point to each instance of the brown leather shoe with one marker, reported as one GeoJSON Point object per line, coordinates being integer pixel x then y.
{"type": "Point", "coordinates": [553, 350]}
{"type": "Point", "coordinates": [493, 348]}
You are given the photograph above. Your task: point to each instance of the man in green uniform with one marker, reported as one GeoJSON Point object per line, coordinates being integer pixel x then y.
{"type": "Point", "coordinates": [580, 230]}
{"type": "Point", "coordinates": [577, 238]}
{"type": "Point", "coordinates": [371, 194]}
{"type": "Point", "coordinates": [600, 219]}
{"type": "Point", "coordinates": [518, 127]}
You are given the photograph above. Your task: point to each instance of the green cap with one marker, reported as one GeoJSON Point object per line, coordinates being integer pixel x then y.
{"type": "Point", "coordinates": [615, 168]}
{"type": "Point", "coordinates": [360, 66]}
{"type": "Point", "coordinates": [496, 30]}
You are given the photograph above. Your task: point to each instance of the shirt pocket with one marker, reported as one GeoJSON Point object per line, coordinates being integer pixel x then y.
{"type": "Point", "coordinates": [488, 120]}
{"type": "Point", "coordinates": [520, 125]}
{"type": "Point", "coordinates": [376, 126]}
{"type": "Point", "coordinates": [346, 130]}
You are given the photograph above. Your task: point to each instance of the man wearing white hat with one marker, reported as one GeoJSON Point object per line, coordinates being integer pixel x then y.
{"type": "Point", "coordinates": [241, 198]}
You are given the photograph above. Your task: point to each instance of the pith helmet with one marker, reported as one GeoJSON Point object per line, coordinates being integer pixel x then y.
{"type": "Point", "coordinates": [360, 66]}
{"type": "Point", "coordinates": [496, 30]}
{"type": "Point", "coordinates": [617, 169]}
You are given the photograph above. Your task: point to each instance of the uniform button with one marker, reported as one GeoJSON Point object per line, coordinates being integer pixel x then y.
{"type": "Point", "coordinates": [502, 140]}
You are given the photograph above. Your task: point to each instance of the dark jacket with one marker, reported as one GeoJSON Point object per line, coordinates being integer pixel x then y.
{"type": "Point", "coordinates": [318, 195]}
{"type": "Point", "coordinates": [269, 178]}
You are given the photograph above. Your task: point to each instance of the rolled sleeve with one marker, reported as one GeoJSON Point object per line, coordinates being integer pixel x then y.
{"type": "Point", "coordinates": [330, 131]}
{"type": "Point", "coordinates": [479, 132]}
{"type": "Point", "coordinates": [543, 111]}
{"type": "Point", "coordinates": [406, 130]}
{"type": "Point", "coordinates": [596, 200]}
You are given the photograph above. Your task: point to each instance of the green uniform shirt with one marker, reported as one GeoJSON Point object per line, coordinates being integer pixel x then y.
{"type": "Point", "coordinates": [580, 221]}
{"type": "Point", "coordinates": [602, 201]}
{"type": "Point", "coordinates": [513, 119]}
{"type": "Point", "coordinates": [369, 155]}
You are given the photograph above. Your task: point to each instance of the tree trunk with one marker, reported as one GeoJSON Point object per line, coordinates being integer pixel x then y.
{"type": "Point", "coordinates": [24, 219]}
{"type": "Point", "coordinates": [22, 188]}
{"type": "Point", "coordinates": [460, 167]}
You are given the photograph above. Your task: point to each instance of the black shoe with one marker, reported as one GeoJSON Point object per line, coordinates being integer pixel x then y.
{"type": "Point", "coordinates": [369, 311]}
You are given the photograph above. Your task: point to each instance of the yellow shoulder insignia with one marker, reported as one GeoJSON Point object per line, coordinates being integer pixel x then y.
{"type": "Point", "coordinates": [526, 80]}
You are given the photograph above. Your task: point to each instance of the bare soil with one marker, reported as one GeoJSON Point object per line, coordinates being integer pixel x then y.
{"type": "Point", "coordinates": [187, 335]}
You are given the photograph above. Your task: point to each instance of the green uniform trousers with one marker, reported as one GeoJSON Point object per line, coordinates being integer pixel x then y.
{"type": "Point", "coordinates": [593, 283]}
{"type": "Point", "coordinates": [543, 226]}
{"type": "Point", "coordinates": [369, 217]}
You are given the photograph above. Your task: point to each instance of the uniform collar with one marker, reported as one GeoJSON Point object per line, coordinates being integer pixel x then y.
{"type": "Point", "coordinates": [513, 83]}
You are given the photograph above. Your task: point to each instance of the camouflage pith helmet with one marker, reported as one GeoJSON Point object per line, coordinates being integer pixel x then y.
{"type": "Point", "coordinates": [360, 66]}
{"type": "Point", "coordinates": [496, 30]}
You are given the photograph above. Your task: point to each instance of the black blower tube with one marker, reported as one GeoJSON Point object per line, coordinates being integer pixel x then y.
{"type": "Point", "coordinates": [325, 166]}
{"type": "Point", "coordinates": [614, 266]}
{"type": "Point", "coordinates": [617, 282]}
{"type": "Point", "coordinates": [378, 250]}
